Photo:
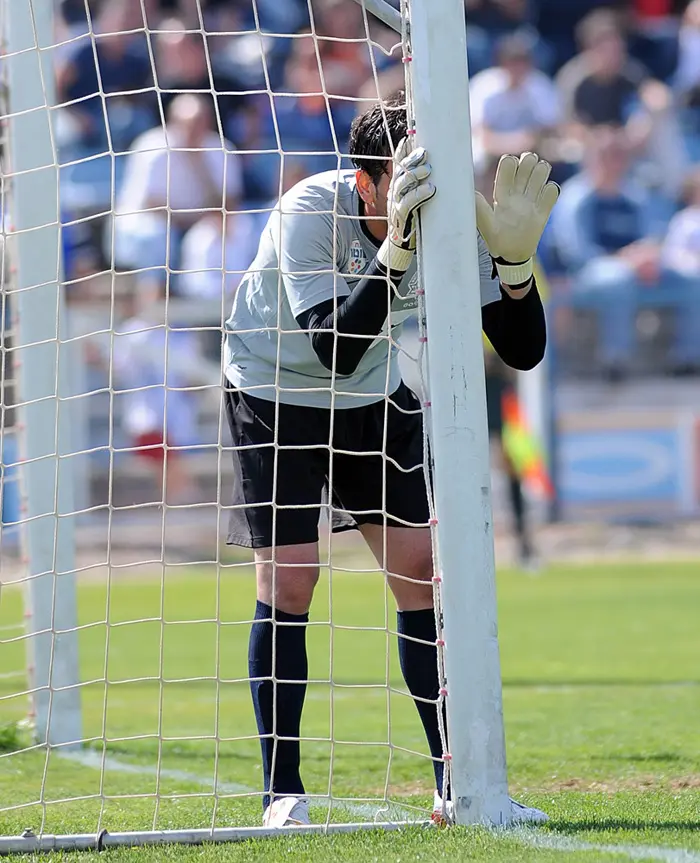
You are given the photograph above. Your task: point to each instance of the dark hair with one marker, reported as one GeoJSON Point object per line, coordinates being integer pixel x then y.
{"type": "Point", "coordinates": [375, 135]}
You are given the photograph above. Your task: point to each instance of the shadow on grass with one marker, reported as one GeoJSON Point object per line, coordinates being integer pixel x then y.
{"type": "Point", "coordinates": [598, 825]}
{"type": "Point", "coordinates": [641, 757]}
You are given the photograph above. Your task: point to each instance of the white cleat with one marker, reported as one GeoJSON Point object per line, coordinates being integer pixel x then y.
{"type": "Point", "coordinates": [527, 814]}
{"type": "Point", "coordinates": [287, 812]}
{"type": "Point", "coordinates": [443, 814]}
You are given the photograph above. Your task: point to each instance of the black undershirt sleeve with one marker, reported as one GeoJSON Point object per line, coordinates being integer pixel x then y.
{"type": "Point", "coordinates": [357, 320]}
{"type": "Point", "coordinates": [515, 328]}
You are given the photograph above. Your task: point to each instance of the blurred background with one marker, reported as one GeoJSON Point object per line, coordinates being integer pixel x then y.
{"type": "Point", "coordinates": [608, 92]}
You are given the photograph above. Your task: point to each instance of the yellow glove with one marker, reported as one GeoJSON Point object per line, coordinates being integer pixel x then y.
{"type": "Point", "coordinates": [523, 199]}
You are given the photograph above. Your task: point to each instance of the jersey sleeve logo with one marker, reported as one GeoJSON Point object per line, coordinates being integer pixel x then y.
{"type": "Point", "coordinates": [357, 260]}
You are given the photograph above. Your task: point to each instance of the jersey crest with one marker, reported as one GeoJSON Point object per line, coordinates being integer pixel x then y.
{"type": "Point", "coordinates": [357, 260]}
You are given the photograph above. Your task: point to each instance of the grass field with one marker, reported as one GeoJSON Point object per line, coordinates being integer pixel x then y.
{"type": "Point", "coordinates": [601, 668]}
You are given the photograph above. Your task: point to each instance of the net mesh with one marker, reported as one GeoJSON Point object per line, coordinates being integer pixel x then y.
{"type": "Point", "coordinates": [167, 141]}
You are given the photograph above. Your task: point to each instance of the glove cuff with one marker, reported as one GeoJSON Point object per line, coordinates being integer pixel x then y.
{"type": "Point", "coordinates": [393, 257]}
{"type": "Point", "coordinates": [514, 275]}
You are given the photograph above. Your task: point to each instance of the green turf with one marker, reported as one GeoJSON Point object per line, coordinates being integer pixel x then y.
{"type": "Point", "coordinates": [601, 693]}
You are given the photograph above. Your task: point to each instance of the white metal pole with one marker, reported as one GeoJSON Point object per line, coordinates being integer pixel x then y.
{"type": "Point", "coordinates": [43, 375]}
{"type": "Point", "coordinates": [459, 436]}
{"type": "Point", "coordinates": [382, 10]}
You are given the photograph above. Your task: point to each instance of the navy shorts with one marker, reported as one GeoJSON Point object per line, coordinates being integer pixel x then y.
{"type": "Point", "coordinates": [374, 477]}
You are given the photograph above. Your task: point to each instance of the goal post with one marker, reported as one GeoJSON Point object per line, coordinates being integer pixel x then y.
{"type": "Point", "coordinates": [136, 668]}
{"type": "Point", "coordinates": [41, 358]}
{"type": "Point", "coordinates": [457, 415]}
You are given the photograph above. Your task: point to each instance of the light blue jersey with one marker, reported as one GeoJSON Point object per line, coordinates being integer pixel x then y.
{"type": "Point", "coordinates": [314, 249]}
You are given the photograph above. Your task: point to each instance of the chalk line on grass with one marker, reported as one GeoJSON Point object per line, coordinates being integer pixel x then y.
{"type": "Point", "coordinates": [556, 842]}
{"type": "Point", "coordinates": [367, 811]}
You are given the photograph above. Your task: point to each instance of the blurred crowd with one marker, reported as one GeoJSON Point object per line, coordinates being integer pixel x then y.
{"type": "Point", "coordinates": [188, 139]}
{"type": "Point", "coordinates": [608, 91]}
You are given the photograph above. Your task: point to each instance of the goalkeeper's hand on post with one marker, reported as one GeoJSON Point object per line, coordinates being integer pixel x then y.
{"type": "Point", "coordinates": [523, 199]}
{"type": "Point", "coordinates": [408, 191]}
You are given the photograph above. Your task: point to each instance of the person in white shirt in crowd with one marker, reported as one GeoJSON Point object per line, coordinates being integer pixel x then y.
{"type": "Point", "coordinates": [514, 106]}
{"type": "Point", "coordinates": [174, 176]}
{"type": "Point", "coordinates": [216, 252]}
{"type": "Point", "coordinates": [157, 371]}
{"type": "Point", "coordinates": [681, 247]}
{"type": "Point", "coordinates": [680, 259]}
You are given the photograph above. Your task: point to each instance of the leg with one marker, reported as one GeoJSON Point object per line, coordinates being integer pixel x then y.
{"type": "Point", "coordinates": [374, 490]}
{"type": "Point", "coordinates": [277, 497]}
{"type": "Point", "coordinates": [516, 498]}
{"type": "Point", "coordinates": [277, 660]}
{"type": "Point", "coordinates": [496, 388]}
{"type": "Point", "coordinates": [609, 286]}
{"type": "Point", "coordinates": [408, 563]}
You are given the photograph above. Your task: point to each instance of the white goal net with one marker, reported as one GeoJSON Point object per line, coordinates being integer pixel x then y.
{"type": "Point", "coordinates": [145, 145]}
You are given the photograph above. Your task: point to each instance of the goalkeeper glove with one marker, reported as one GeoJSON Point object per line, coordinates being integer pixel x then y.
{"type": "Point", "coordinates": [409, 189]}
{"type": "Point", "coordinates": [523, 199]}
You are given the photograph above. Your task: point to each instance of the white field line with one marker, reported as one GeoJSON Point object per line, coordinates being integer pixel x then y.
{"type": "Point", "coordinates": [532, 837]}
{"type": "Point", "coordinates": [556, 842]}
{"type": "Point", "coordinates": [366, 811]}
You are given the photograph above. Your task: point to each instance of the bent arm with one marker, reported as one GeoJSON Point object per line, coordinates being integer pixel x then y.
{"type": "Point", "coordinates": [342, 330]}
{"type": "Point", "coordinates": [517, 329]}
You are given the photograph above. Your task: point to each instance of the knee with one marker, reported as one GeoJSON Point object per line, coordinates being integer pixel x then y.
{"type": "Point", "coordinates": [287, 588]}
{"type": "Point", "coordinates": [412, 584]}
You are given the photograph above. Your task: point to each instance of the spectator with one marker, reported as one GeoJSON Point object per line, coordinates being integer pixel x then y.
{"type": "Point", "coordinates": [344, 57]}
{"type": "Point", "coordinates": [654, 39]}
{"type": "Point", "coordinates": [681, 248]}
{"type": "Point", "coordinates": [182, 66]}
{"type": "Point", "coordinates": [600, 229]}
{"type": "Point", "coordinates": [115, 64]}
{"type": "Point", "coordinates": [687, 75]}
{"type": "Point", "coordinates": [514, 106]}
{"type": "Point", "coordinates": [557, 21]}
{"type": "Point", "coordinates": [153, 368]}
{"type": "Point", "coordinates": [216, 252]}
{"type": "Point", "coordinates": [172, 178]}
{"type": "Point", "coordinates": [488, 21]}
{"type": "Point", "coordinates": [602, 232]}
{"type": "Point", "coordinates": [662, 159]}
{"type": "Point", "coordinates": [306, 118]}
{"type": "Point", "coordinates": [601, 85]}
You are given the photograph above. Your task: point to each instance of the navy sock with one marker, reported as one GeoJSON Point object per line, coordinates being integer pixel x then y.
{"type": "Point", "coordinates": [278, 706]}
{"type": "Point", "coordinates": [419, 667]}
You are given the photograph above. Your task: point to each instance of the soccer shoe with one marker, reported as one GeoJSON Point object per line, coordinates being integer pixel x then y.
{"type": "Point", "coordinates": [287, 812]}
{"type": "Point", "coordinates": [527, 814]}
{"type": "Point", "coordinates": [443, 816]}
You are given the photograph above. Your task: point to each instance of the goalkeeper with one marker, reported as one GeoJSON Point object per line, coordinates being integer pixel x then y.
{"type": "Point", "coordinates": [314, 393]}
